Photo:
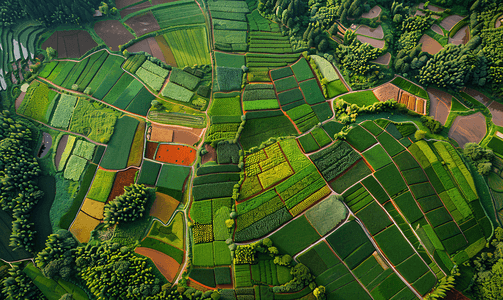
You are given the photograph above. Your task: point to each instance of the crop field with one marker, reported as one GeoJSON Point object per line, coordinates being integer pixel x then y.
{"type": "Point", "coordinates": [377, 157]}
{"type": "Point", "coordinates": [361, 139]}
{"type": "Point", "coordinates": [82, 226]}
{"type": "Point", "coordinates": [299, 228]}
{"type": "Point", "coordinates": [410, 87]}
{"type": "Point", "coordinates": [167, 265]}
{"type": "Point", "coordinates": [269, 42]}
{"type": "Point", "coordinates": [163, 207]}
{"type": "Point", "coordinates": [172, 179]}
{"type": "Point", "coordinates": [312, 91]}
{"type": "Point", "coordinates": [102, 185]}
{"type": "Point", "coordinates": [189, 46]}
{"type": "Point", "coordinates": [117, 153]}
{"type": "Point", "coordinates": [259, 64]}
{"type": "Point", "coordinates": [361, 98]}
{"type": "Point", "coordinates": [261, 129]}
{"type": "Point", "coordinates": [178, 13]}
{"type": "Point", "coordinates": [356, 172]}
{"type": "Point", "coordinates": [334, 160]}
{"type": "Point", "coordinates": [39, 101]}
{"type": "Point", "coordinates": [93, 208]}
{"type": "Point", "coordinates": [175, 154]}
{"type": "Point", "coordinates": [94, 120]}
{"type": "Point", "coordinates": [303, 116]}
{"type": "Point", "coordinates": [64, 111]}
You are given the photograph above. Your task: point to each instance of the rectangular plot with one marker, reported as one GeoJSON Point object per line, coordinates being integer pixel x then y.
{"type": "Point", "coordinates": [422, 190]}
{"type": "Point", "coordinates": [332, 274]}
{"type": "Point", "coordinates": [405, 161]}
{"type": "Point", "coordinates": [394, 245]}
{"type": "Point", "coordinates": [281, 73]}
{"type": "Point", "coordinates": [438, 216]}
{"type": "Point", "coordinates": [302, 70]}
{"type": "Point", "coordinates": [359, 255]}
{"type": "Point", "coordinates": [447, 230]}
{"type": "Point", "coordinates": [408, 207]}
{"type": "Point", "coordinates": [285, 84]}
{"type": "Point", "coordinates": [392, 146]}
{"type": "Point", "coordinates": [353, 290]}
{"type": "Point", "coordinates": [360, 138]}
{"type": "Point", "coordinates": [374, 218]}
{"type": "Point", "coordinates": [412, 268]}
{"type": "Point", "coordinates": [290, 96]}
{"type": "Point", "coordinates": [312, 92]}
{"type": "Point", "coordinates": [353, 175]}
{"type": "Point", "coordinates": [326, 254]}
{"type": "Point", "coordinates": [375, 189]}
{"type": "Point", "coordinates": [377, 157]}
{"type": "Point", "coordinates": [347, 238]}
{"type": "Point", "coordinates": [295, 236]}
{"type": "Point", "coordinates": [118, 88]}
{"type": "Point", "coordinates": [414, 176]}
{"type": "Point", "coordinates": [391, 179]}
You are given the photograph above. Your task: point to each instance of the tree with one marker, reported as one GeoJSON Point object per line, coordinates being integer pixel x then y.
{"type": "Point", "coordinates": [420, 134]}
{"type": "Point", "coordinates": [51, 53]}
{"type": "Point", "coordinates": [127, 207]}
{"type": "Point", "coordinates": [319, 292]}
{"type": "Point", "coordinates": [480, 157]}
{"type": "Point", "coordinates": [323, 45]}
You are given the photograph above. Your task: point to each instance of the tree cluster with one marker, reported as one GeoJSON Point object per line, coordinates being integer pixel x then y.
{"type": "Point", "coordinates": [19, 286]}
{"type": "Point", "coordinates": [347, 113]}
{"type": "Point", "coordinates": [18, 174]}
{"type": "Point", "coordinates": [480, 157]}
{"type": "Point", "coordinates": [10, 13]}
{"type": "Point", "coordinates": [355, 56]}
{"type": "Point", "coordinates": [127, 207]}
{"type": "Point", "coordinates": [56, 258]}
{"type": "Point", "coordinates": [489, 270]}
{"type": "Point", "coordinates": [433, 125]}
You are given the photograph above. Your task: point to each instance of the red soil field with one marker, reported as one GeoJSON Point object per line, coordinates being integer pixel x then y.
{"type": "Point", "coordinates": [167, 265]}
{"type": "Point", "coordinates": [163, 207]}
{"type": "Point", "coordinates": [70, 43]}
{"type": "Point", "coordinates": [122, 179]}
{"type": "Point", "coordinates": [455, 295]}
{"type": "Point", "coordinates": [113, 33]}
{"type": "Point", "coordinates": [176, 154]}
{"type": "Point", "coordinates": [150, 151]}
{"type": "Point", "coordinates": [143, 24]}
{"type": "Point", "coordinates": [468, 129]}
{"type": "Point", "coordinates": [440, 104]}
{"type": "Point", "coordinates": [135, 8]}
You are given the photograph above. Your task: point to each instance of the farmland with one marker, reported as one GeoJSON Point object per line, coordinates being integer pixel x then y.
{"type": "Point", "coordinates": [242, 150]}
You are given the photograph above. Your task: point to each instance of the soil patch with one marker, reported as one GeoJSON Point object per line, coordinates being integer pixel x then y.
{"type": "Point", "coordinates": [373, 42]}
{"type": "Point", "coordinates": [437, 29]}
{"type": "Point", "coordinates": [210, 156]}
{"type": "Point", "coordinates": [373, 13]}
{"type": "Point", "coordinates": [143, 24]}
{"type": "Point", "coordinates": [135, 8]}
{"type": "Point", "coordinates": [450, 21]}
{"type": "Point", "coordinates": [113, 33]}
{"type": "Point", "coordinates": [156, 50]}
{"type": "Point", "coordinates": [169, 58]}
{"type": "Point", "coordinates": [430, 45]}
{"type": "Point", "coordinates": [478, 96]}
{"type": "Point", "coordinates": [60, 150]}
{"type": "Point", "coordinates": [45, 145]}
{"type": "Point", "coordinates": [163, 207]}
{"type": "Point", "coordinates": [461, 37]}
{"type": "Point", "coordinates": [120, 4]}
{"type": "Point", "coordinates": [383, 59]}
{"type": "Point", "coordinates": [122, 179]}
{"type": "Point", "coordinates": [440, 104]}
{"type": "Point", "coordinates": [498, 22]}
{"type": "Point", "coordinates": [387, 91]}
{"type": "Point", "coordinates": [160, 133]}
{"type": "Point", "coordinates": [176, 154]}
{"type": "Point", "coordinates": [376, 33]}
{"type": "Point", "coordinates": [150, 151]}
{"type": "Point", "coordinates": [70, 43]}
{"type": "Point", "coordinates": [496, 109]}
{"type": "Point", "coordinates": [139, 47]}
{"type": "Point", "coordinates": [19, 100]}
{"type": "Point", "coordinates": [468, 129]}
{"type": "Point", "coordinates": [455, 295]}
{"type": "Point", "coordinates": [167, 265]}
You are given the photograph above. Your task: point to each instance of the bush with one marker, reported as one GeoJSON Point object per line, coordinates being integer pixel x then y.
{"type": "Point", "coordinates": [127, 207]}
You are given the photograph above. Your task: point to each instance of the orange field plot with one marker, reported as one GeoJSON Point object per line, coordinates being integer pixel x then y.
{"type": "Point", "coordinates": [176, 154]}
{"type": "Point", "coordinates": [387, 91]}
{"type": "Point", "coordinates": [412, 103]}
{"type": "Point", "coordinates": [82, 227]}
{"type": "Point", "coordinates": [163, 207]}
{"type": "Point", "coordinates": [420, 106]}
{"type": "Point", "coordinates": [167, 265]}
{"type": "Point", "coordinates": [404, 99]}
{"type": "Point", "coordinates": [93, 208]}
{"type": "Point", "coordinates": [122, 179]}
{"type": "Point", "coordinates": [175, 134]}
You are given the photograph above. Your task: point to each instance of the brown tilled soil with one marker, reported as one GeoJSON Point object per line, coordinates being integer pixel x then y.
{"type": "Point", "coordinates": [461, 37]}
{"type": "Point", "coordinates": [440, 104]}
{"type": "Point", "coordinates": [113, 33]}
{"type": "Point", "coordinates": [373, 42]}
{"type": "Point", "coordinates": [437, 29]}
{"type": "Point", "coordinates": [373, 13]}
{"type": "Point", "coordinates": [455, 295]}
{"type": "Point", "coordinates": [468, 129]}
{"type": "Point", "coordinates": [143, 24]}
{"type": "Point", "coordinates": [167, 265]}
{"type": "Point", "coordinates": [478, 96]}
{"type": "Point", "coordinates": [132, 9]}
{"type": "Point", "coordinates": [122, 179]}
{"type": "Point", "coordinates": [156, 50]}
{"type": "Point", "coordinates": [383, 59]}
{"type": "Point", "coordinates": [163, 207]}
{"type": "Point", "coordinates": [19, 100]}
{"type": "Point", "coordinates": [496, 109]}
{"type": "Point", "coordinates": [430, 45]}
{"type": "Point", "coordinates": [387, 91]}
{"type": "Point", "coordinates": [450, 21]}
{"type": "Point", "coordinates": [169, 58]}
{"type": "Point", "coordinates": [70, 43]}
{"type": "Point", "coordinates": [150, 151]}
{"type": "Point", "coordinates": [498, 22]}
{"type": "Point", "coordinates": [139, 46]}
{"type": "Point", "coordinates": [376, 33]}
{"type": "Point", "coordinates": [60, 149]}
{"type": "Point", "coordinates": [123, 3]}
{"type": "Point", "coordinates": [179, 135]}
{"type": "Point", "coordinates": [210, 156]}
